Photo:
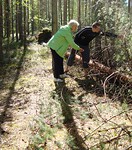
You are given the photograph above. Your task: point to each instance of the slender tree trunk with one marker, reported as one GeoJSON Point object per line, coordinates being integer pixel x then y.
{"type": "Point", "coordinates": [129, 6]}
{"type": "Point", "coordinates": [130, 10]}
{"type": "Point", "coordinates": [90, 17]}
{"type": "Point", "coordinates": [7, 18]}
{"type": "Point", "coordinates": [60, 13]}
{"type": "Point", "coordinates": [12, 20]}
{"type": "Point", "coordinates": [65, 11]}
{"type": "Point", "coordinates": [49, 8]}
{"type": "Point", "coordinates": [17, 24]}
{"type": "Point", "coordinates": [69, 9]}
{"type": "Point", "coordinates": [20, 21]}
{"type": "Point", "coordinates": [72, 8]}
{"type": "Point", "coordinates": [54, 16]}
{"type": "Point", "coordinates": [28, 17]}
{"type": "Point", "coordinates": [79, 12]}
{"type": "Point", "coordinates": [39, 14]}
{"type": "Point", "coordinates": [1, 32]}
{"type": "Point", "coordinates": [32, 16]}
{"type": "Point", "coordinates": [24, 40]}
{"type": "Point", "coordinates": [85, 8]}
{"type": "Point", "coordinates": [7, 23]}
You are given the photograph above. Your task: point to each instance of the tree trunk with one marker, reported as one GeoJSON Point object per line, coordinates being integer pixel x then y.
{"type": "Point", "coordinates": [28, 17]}
{"type": "Point", "coordinates": [1, 32]}
{"type": "Point", "coordinates": [69, 10]}
{"type": "Point", "coordinates": [39, 12]}
{"type": "Point", "coordinates": [7, 18]}
{"type": "Point", "coordinates": [17, 24]}
{"type": "Point", "coordinates": [54, 17]}
{"type": "Point", "coordinates": [130, 9]}
{"type": "Point", "coordinates": [32, 16]}
{"type": "Point", "coordinates": [85, 8]}
{"type": "Point", "coordinates": [72, 8]}
{"type": "Point", "coordinates": [12, 20]}
{"type": "Point", "coordinates": [129, 6]}
{"type": "Point", "coordinates": [79, 12]}
{"type": "Point", "coordinates": [49, 12]}
{"type": "Point", "coordinates": [24, 40]}
{"type": "Point", "coordinates": [60, 13]}
{"type": "Point", "coordinates": [20, 22]}
{"type": "Point", "coordinates": [122, 78]}
{"type": "Point", "coordinates": [65, 12]}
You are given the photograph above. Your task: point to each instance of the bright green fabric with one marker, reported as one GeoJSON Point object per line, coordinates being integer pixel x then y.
{"type": "Point", "coordinates": [62, 39]}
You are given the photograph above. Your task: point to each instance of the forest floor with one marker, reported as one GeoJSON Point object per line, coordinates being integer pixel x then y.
{"type": "Point", "coordinates": [37, 114]}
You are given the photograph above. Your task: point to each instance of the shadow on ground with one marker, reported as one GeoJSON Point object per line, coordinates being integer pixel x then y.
{"type": "Point", "coordinates": [65, 96]}
{"type": "Point", "coordinates": [6, 102]}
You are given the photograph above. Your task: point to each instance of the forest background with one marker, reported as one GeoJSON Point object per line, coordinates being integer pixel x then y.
{"type": "Point", "coordinates": [21, 18]}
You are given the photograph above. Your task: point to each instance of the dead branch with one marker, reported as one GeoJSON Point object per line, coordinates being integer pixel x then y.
{"type": "Point", "coordinates": [105, 83]}
{"type": "Point", "coordinates": [110, 140]}
{"type": "Point", "coordinates": [128, 148]}
{"type": "Point", "coordinates": [99, 113]}
{"type": "Point", "coordinates": [113, 128]}
{"type": "Point", "coordinates": [122, 78]}
{"type": "Point", "coordinates": [90, 134]}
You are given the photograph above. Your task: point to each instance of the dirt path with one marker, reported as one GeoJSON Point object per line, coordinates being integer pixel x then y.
{"type": "Point", "coordinates": [19, 101]}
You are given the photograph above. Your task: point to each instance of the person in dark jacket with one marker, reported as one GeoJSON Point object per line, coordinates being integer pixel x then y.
{"type": "Point", "coordinates": [83, 38]}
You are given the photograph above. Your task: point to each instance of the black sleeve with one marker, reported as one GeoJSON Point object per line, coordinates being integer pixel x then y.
{"type": "Point", "coordinates": [108, 34]}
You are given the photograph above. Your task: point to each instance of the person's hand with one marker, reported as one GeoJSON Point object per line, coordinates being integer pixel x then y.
{"type": "Point", "coordinates": [81, 50]}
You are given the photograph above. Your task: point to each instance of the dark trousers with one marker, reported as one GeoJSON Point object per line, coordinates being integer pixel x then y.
{"type": "Point", "coordinates": [57, 64]}
{"type": "Point", "coordinates": [85, 56]}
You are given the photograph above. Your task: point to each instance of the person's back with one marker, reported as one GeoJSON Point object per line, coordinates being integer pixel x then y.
{"type": "Point", "coordinates": [85, 35]}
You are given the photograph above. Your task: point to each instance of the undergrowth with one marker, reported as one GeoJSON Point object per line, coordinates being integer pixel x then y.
{"type": "Point", "coordinates": [80, 115]}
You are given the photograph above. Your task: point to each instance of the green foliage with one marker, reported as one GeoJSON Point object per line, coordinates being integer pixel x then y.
{"type": "Point", "coordinates": [125, 106]}
{"type": "Point", "coordinates": [71, 142]}
{"type": "Point", "coordinates": [45, 133]}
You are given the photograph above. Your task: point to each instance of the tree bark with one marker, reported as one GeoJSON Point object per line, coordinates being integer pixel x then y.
{"type": "Point", "coordinates": [16, 21]}
{"type": "Point", "coordinates": [79, 12]}
{"type": "Point", "coordinates": [65, 11]}
{"type": "Point", "coordinates": [54, 17]}
{"type": "Point", "coordinates": [24, 39]}
{"type": "Point", "coordinates": [20, 21]}
{"type": "Point", "coordinates": [1, 32]}
{"type": "Point", "coordinates": [12, 19]}
{"type": "Point", "coordinates": [32, 16]}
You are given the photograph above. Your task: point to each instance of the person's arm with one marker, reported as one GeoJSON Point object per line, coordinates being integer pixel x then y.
{"type": "Point", "coordinates": [71, 42]}
{"type": "Point", "coordinates": [109, 34]}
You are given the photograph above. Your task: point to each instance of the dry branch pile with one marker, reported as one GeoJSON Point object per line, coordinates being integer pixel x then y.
{"type": "Point", "coordinates": [122, 78]}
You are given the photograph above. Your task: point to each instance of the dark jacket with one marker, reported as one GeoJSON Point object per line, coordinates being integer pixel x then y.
{"type": "Point", "coordinates": [85, 35]}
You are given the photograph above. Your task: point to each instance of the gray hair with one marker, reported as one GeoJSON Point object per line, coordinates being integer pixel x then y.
{"type": "Point", "coordinates": [72, 23]}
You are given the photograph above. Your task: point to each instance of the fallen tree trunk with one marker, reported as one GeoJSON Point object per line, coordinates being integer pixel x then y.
{"type": "Point", "coordinates": [102, 68]}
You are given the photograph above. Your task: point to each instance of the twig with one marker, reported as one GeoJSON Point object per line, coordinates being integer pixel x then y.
{"type": "Point", "coordinates": [104, 85]}
{"type": "Point", "coordinates": [123, 128]}
{"type": "Point", "coordinates": [63, 97]}
{"type": "Point", "coordinates": [99, 113]}
{"type": "Point", "coordinates": [90, 134]}
{"type": "Point", "coordinates": [114, 128]}
{"type": "Point", "coordinates": [110, 140]}
{"type": "Point", "coordinates": [128, 148]}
